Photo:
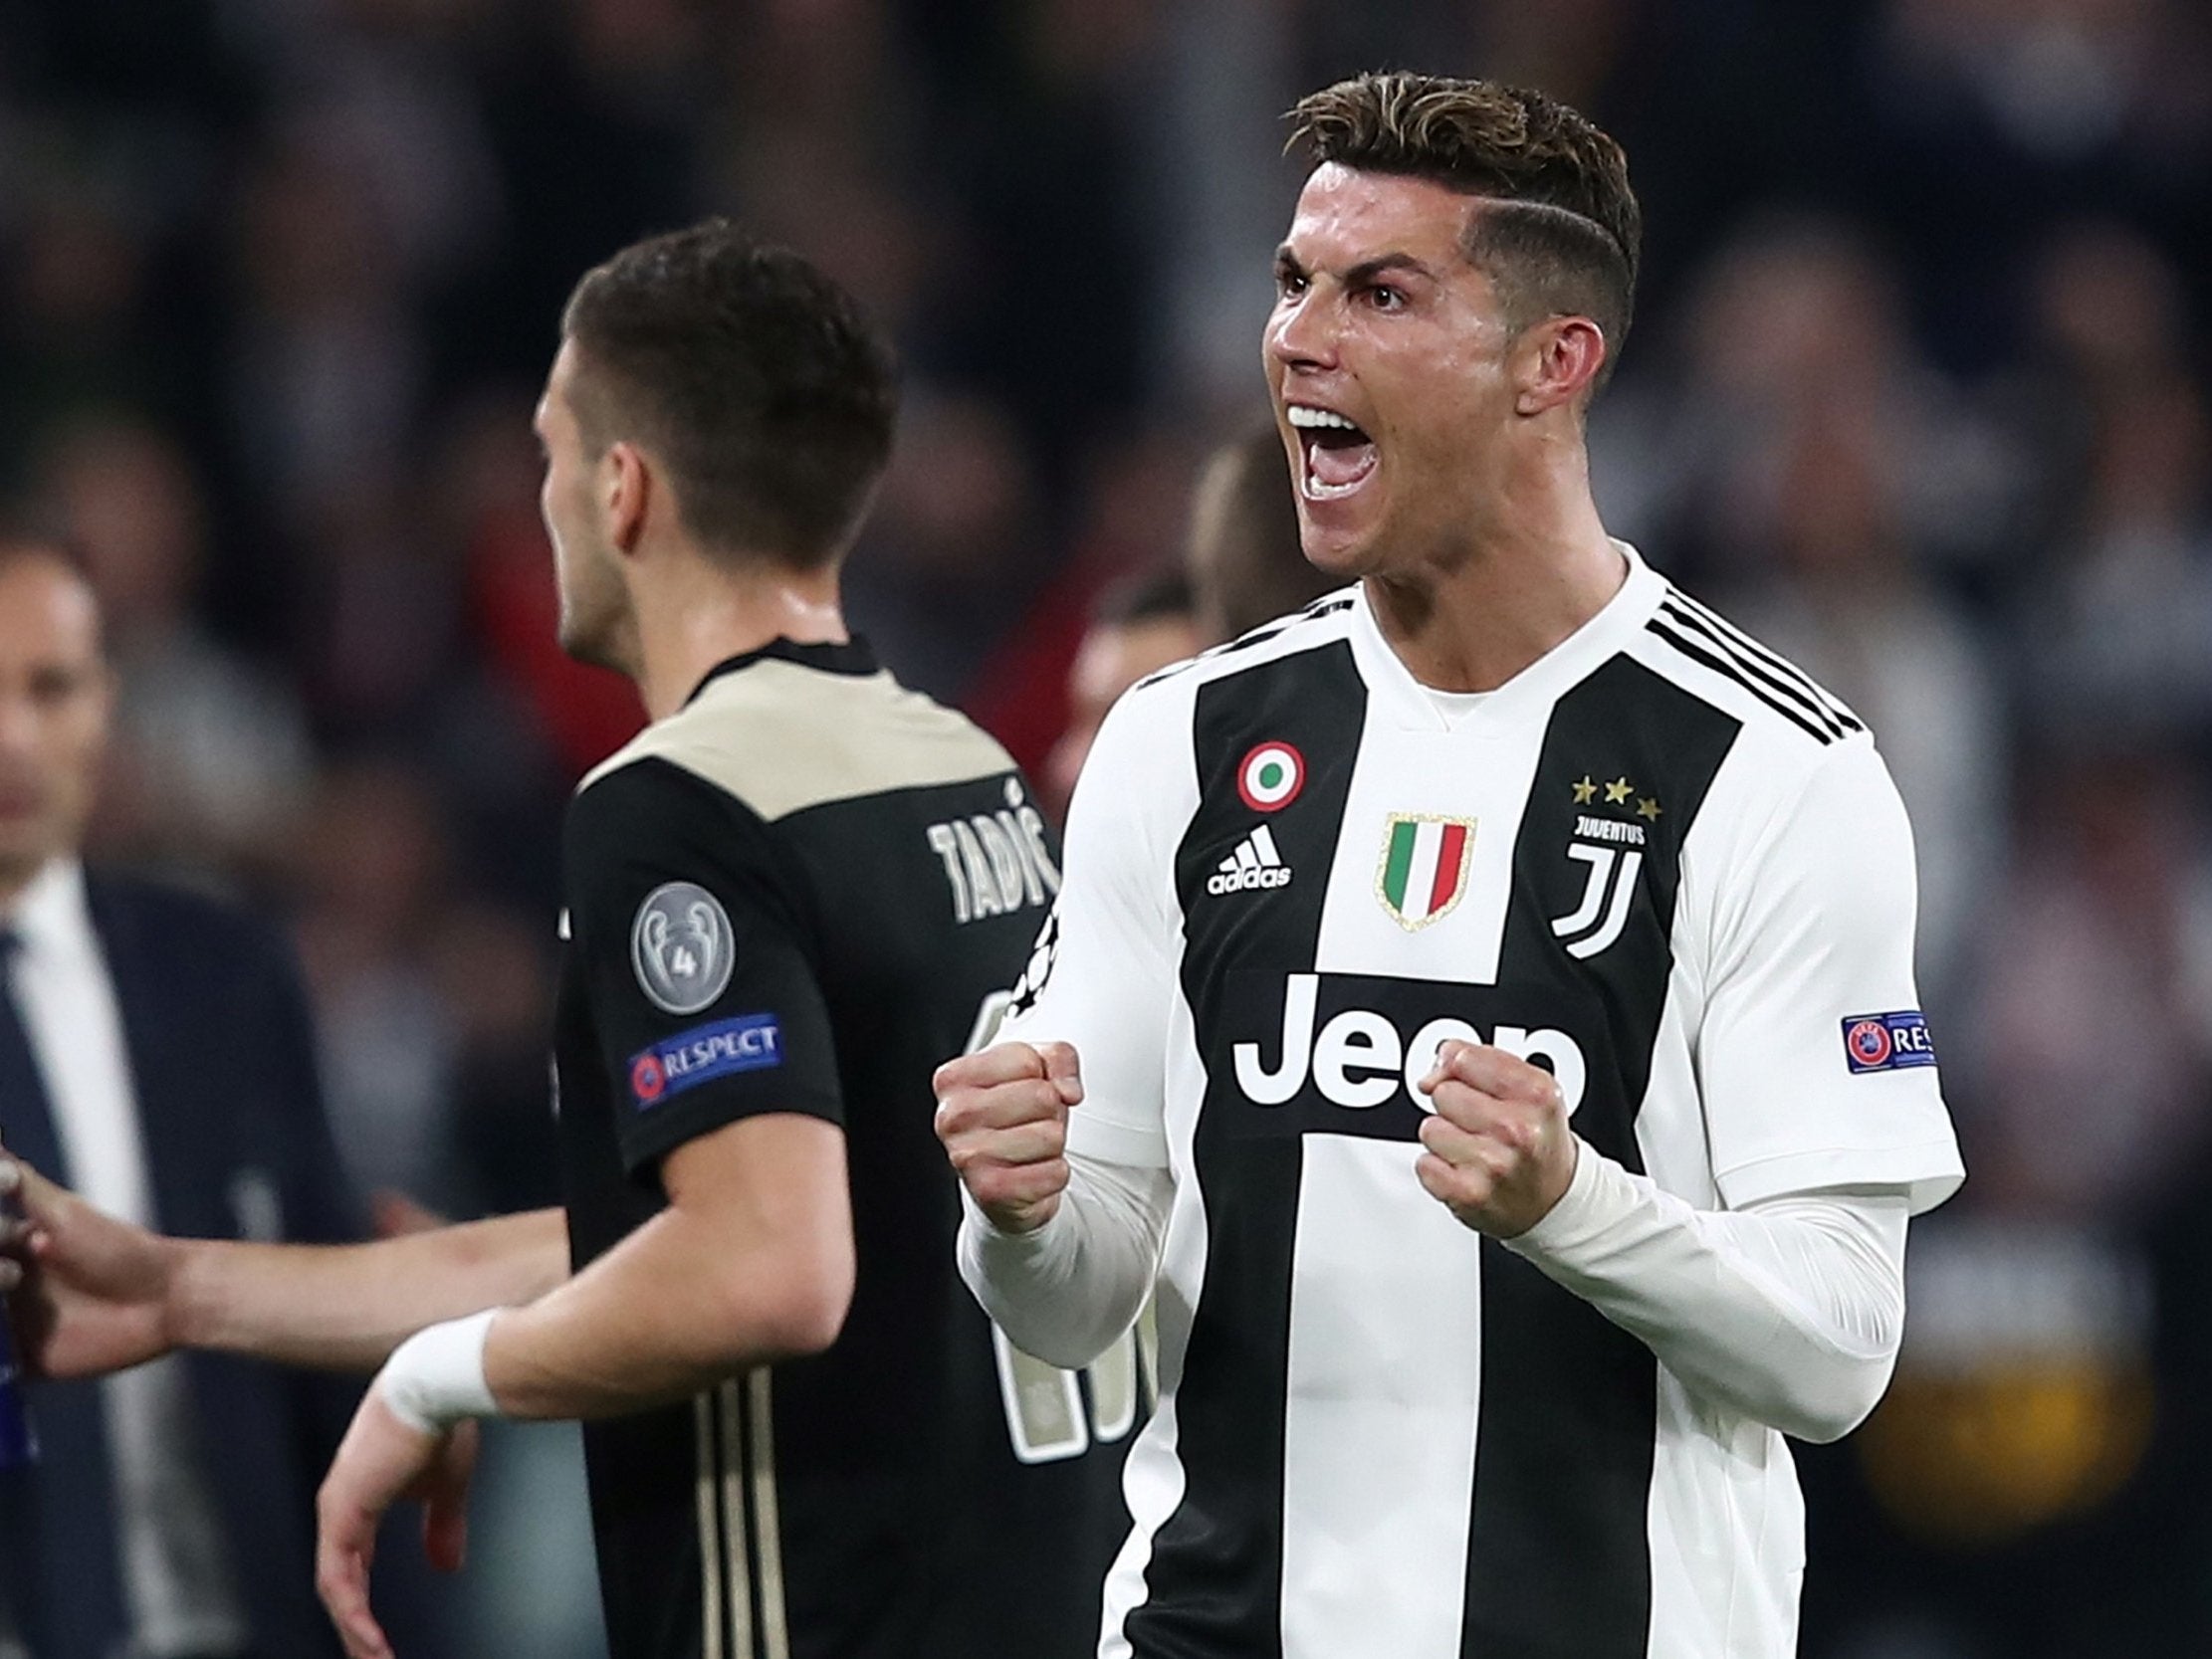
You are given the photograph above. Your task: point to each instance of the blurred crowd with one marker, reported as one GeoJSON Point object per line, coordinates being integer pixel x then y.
{"type": "Point", "coordinates": [1918, 392]}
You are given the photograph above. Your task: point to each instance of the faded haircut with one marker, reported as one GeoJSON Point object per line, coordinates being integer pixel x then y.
{"type": "Point", "coordinates": [1558, 230]}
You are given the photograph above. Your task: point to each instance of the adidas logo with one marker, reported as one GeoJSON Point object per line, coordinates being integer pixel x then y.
{"type": "Point", "coordinates": [1255, 864]}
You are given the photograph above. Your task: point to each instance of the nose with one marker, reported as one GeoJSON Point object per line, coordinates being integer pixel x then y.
{"type": "Point", "coordinates": [1301, 335]}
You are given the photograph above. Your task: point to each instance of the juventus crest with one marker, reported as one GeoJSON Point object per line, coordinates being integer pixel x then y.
{"type": "Point", "coordinates": [1613, 851]}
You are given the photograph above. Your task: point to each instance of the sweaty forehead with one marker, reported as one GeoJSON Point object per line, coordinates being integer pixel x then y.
{"type": "Point", "coordinates": [1345, 215]}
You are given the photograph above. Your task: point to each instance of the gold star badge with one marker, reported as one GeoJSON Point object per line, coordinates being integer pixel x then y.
{"type": "Point", "coordinates": [1583, 791]}
{"type": "Point", "coordinates": [1617, 791]}
{"type": "Point", "coordinates": [1645, 808]}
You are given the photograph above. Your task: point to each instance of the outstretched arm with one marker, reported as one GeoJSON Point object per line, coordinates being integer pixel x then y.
{"type": "Point", "coordinates": [106, 1295]}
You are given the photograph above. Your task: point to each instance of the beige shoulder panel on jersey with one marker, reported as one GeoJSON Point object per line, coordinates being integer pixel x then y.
{"type": "Point", "coordinates": [782, 737]}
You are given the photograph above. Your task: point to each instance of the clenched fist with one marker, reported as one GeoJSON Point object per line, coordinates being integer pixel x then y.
{"type": "Point", "coordinates": [1499, 1153]}
{"type": "Point", "coordinates": [1003, 1116]}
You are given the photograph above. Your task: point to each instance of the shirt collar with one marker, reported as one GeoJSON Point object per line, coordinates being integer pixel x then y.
{"type": "Point", "coordinates": [1614, 624]}
{"type": "Point", "coordinates": [50, 915]}
{"type": "Point", "coordinates": [855, 656]}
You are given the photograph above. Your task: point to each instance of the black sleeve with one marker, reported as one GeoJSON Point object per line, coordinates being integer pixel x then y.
{"type": "Point", "coordinates": [693, 932]}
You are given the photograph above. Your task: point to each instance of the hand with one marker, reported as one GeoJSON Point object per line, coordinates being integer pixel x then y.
{"type": "Point", "coordinates": [1003, 1116]}
{"type": "Point", "coordinates": [97, 1294]}
{"type": "Point", "coordinates": [1499, 1153]}
{"type": "Point", "coordinates": [381, 1461]}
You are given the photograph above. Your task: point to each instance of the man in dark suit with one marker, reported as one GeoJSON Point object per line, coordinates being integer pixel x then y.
{"type": "Point", "coordinates": [156, 1046]}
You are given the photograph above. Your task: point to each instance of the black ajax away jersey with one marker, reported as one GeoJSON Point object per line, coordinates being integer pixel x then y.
{"type": "Point", "coordinates": [800, 893]}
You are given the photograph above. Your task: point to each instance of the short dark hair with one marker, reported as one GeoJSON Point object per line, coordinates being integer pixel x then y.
{"type": "Point", "coordinates": [752, 377]}
{"type": "Point", "coordinates": [1561, 233]}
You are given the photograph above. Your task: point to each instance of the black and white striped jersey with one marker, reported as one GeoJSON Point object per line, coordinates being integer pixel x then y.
{"type": "Point", "coordinates": [798, 894]}
{"type": "Point", "coordinates": [1659, 862]}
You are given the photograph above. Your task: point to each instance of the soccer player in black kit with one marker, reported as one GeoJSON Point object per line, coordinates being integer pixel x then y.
{"type": "Point", "coordinates": [789, 897]}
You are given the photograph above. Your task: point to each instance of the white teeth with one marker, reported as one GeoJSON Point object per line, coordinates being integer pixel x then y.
{"type": "Point", "coordinates": [1305, 416]}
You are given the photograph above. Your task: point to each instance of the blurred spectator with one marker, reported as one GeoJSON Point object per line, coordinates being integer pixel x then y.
{"type": "Point", "coordinates": [1794, 309]}
{"type": "Point", "coordinates": [373, 888]}
{"type": "Point", "coordinates": [2117, 637]}
{"type": "Point", "coordinates": [156, 1052]}
{"type": "Point", "coordinates": [2056, 83]}
{"type": "Point", "coordinates": [432, 999]}
{"type": "Point", "coordinates": [1139, 629]}
{"type": "Point", "coordinates": [1242, 550]}
{"type": "Point", "coordinates": [1133, 497]}
{"type": "Point", "coordinates": [327, 372]}
{"type": "Point", "coordinates": [211, 757]}
{"type": "Point", "coordinates": [493, 973]}
{"type": "Point", "coordinates": [951, 554]}
{"type": "Point", "coordinates": [2099, 930]}
{"type": "Point", "coordinates": [1843, 600]}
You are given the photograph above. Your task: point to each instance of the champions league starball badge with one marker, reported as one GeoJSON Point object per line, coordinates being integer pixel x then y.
{"type": "Point", "coordinates": [683, 947]}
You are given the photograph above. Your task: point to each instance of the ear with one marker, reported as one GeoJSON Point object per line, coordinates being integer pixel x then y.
{"type": "Point", "coordinates": [1556, 362]}
{"type": "Point", "coordinates": [626, 491]}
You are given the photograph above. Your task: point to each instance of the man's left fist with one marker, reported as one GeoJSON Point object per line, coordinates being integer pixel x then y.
{"type": "Point", "coordinates": [1498, 1151]}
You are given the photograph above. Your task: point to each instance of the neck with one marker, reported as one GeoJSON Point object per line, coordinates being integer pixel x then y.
{"type": "Point", "coordinates": [699, 615]}
{"type": "Point", "coordinates": [1537, 568]}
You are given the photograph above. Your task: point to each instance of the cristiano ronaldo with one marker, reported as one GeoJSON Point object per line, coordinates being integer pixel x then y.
{"type": "Point", "coordinates": [1479, 1008]}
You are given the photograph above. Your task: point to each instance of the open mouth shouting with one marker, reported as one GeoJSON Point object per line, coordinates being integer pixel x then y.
{"type": "Point", "coordinates": [1338, 456]}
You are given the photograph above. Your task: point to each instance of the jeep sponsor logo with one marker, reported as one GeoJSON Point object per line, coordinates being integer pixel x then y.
{"type": "Point", "coordinates": [1361, 1058]}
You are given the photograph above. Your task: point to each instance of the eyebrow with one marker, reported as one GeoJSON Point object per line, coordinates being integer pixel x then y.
{"type": "Point", "coordinates": [1369, 268]}
{"type": "Point", "coordinates": [1364, 271]}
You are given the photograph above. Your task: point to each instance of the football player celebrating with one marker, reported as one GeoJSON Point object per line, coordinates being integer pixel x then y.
{"type": "Point", "coordinates": [1480, 1004]}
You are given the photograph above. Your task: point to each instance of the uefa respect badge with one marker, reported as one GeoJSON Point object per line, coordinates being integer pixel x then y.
{"type": "Point", "coordinates": [1887, 1042]}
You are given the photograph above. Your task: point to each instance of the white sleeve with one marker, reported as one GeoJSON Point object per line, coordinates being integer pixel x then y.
{"type": "Point", "coordinates": [1065, 1291]}
{"type": "Point", "coordinates": [1103, 977]}
{"type": "Point", "coordinates": [1815, 1067]}
{"type": "Point", "coordinates": [1789, 1312]}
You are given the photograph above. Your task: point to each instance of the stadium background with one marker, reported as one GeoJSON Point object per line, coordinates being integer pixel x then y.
{"type": "Point", "coordinates": [1917, 388]}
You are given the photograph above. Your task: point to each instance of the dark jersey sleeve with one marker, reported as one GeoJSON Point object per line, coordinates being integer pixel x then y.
{"type": "Point", "coordinates": [692, 930]}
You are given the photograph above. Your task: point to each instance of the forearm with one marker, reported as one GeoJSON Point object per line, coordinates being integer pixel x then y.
{"type": "Point", "coordinates": [1066, 1290]}
{"type": "Point", "coordinates": [677, 1306]}
{"type": "Point", "coordinates": [346, 1306]}
{"type": "Point", "coordinates": [1789, 1312]}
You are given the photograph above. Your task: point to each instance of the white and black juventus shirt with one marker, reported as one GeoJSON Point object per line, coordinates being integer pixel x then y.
{"type": "Point", "coordinates": [1659, 862]}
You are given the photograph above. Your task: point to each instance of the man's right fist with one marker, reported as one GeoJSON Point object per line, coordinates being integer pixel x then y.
{"type": "Point", "coordinates": [1003, 1116]}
